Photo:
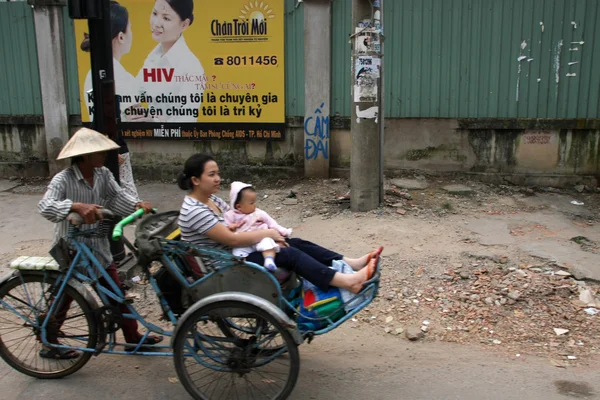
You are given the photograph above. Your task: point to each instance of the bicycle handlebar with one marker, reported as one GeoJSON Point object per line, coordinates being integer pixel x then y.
{"type": "Point", "coordinates": [77, 219]}
{"type": "Point", "coordinates": [118, 230]}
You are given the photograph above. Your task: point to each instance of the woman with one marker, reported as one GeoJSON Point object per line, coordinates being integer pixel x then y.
{"type": "Point", "coordinates": [170, 94]}
{"type": "Point", "coordinates": [201, 222]}
{"type": "Point", "coordinates": [126, 87]}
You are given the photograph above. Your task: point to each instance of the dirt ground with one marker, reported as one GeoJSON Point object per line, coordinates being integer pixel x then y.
{"type": "Point", "coordinates": [500, 267]}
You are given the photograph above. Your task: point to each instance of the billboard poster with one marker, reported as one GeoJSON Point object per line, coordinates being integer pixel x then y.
{"type": "Point", "coordinates": [193, 69]}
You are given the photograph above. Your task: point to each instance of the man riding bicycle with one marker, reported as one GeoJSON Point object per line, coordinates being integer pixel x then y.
{"type": "Point", "coordinates": [84, 188]}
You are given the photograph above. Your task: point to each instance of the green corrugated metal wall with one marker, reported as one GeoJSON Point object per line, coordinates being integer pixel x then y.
{"type": "Point", "coordinates": [459, 58]}
{"type": "Point", "coordinates": [341, 70]}
{"type": "Point", "coordinates": [443, 59]}
{"type": "Point", "coordinates": [71, 63]}
{"type": "Point", "coordinates": [19, 77]}
{"type": "Point", "coordinates": [294, 59]}
{"type": "Point", "coordinates": [20, 92]}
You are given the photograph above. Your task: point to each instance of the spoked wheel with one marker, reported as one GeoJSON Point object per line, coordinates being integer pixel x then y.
{"type": "Point", "coordinates": [28, 300]}
{"type": "Point", "coordinates": [213, 365]}
{"type": "Point", "coordinates": [244, 328]}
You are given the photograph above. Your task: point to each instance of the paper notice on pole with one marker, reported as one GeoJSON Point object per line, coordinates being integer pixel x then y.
{"type": "Point", "coordinates": [366, 73]}
{"type": "Point", "coordinates": [364, 40]}
{"type": "Point", "coordinates": [367, 39]}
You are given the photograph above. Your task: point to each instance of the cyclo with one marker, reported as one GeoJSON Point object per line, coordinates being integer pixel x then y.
{"type": "Point", "coordinates": [236, 330]}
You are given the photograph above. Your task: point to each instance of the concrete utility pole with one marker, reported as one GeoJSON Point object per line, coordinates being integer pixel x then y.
{"type": "Point", "coordinates": [48, 19]}
{"type": "Point", "coordinates": [366, 167]}
{"type": "Point", "coordinates": [317, 75]}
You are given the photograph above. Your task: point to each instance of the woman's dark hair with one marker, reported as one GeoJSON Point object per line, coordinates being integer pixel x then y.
{"type": "Point", "coordinates": [183, 8]}
{"type": "Point", "coordinates": [240, 194]}
{"type": "Point", "coordinates": [194, 166]}
{"type": "Point", "coordinates": [119, 18]}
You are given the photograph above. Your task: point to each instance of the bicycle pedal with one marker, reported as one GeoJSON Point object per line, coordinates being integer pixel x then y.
{"type": "Point", "coordinates": [99, 347]}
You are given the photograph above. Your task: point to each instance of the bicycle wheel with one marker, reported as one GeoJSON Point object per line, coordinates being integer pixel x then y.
{"type": "Point", "coordinates": [210, 364]}
{"type": "Point", "coordinates": [20, 340]}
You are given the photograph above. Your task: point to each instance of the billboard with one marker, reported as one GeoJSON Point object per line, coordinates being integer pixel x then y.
{"type": "Point", "coordinates": [193, 69]}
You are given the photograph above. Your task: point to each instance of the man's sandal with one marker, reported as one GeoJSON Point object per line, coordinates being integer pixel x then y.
{"type": "Point", "coordinates": [59, 353]}
{"type": "Point", "coordinates": [149, 341]}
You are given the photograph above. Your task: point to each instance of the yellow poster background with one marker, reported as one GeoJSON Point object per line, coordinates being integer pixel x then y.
{"type": "Point", "coordinates": [265, 81]}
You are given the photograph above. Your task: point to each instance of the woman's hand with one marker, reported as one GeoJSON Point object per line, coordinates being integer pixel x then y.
{"type": "Point", "coordinates": [275, 235]}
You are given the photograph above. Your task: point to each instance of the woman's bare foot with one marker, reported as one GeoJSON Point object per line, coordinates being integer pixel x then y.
{"type": "Point", "coordinates": [355, 282]}
{"type": "Point", "coordinates": [359, 263]}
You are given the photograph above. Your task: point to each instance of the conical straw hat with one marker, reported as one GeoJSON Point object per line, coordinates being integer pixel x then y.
{"type": "Point", "coordinates": [86, 141]}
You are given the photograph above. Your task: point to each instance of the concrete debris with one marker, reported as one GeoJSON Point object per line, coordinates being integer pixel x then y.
{"type": "Point", "coordinates": [460, 190]}
{"type": "Point", "coordinates": [414, 334]}
{"type": "Point", "coordinates": [410, 184]}
{"type": "Point", "coordinates": [587, 298]}
{"type": "Point", "coordinates": [560, 331]}
{"type": "Point", "coordinates": [514, 294]}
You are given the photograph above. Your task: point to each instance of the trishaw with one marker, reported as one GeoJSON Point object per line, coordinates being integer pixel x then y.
{"type": "Point", "coordinates": [235, 333]}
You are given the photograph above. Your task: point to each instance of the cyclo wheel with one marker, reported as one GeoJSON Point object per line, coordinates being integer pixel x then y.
{"type": "Point", "coordinates": [243, 328]}
{"type": "Point", "coordinates": [20, 341]}
{"type": "Point", "coordinates": [210, 363]}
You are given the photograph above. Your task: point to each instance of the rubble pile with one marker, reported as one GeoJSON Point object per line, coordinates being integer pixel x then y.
{"type": "Point", "coordinates": [525, 309]}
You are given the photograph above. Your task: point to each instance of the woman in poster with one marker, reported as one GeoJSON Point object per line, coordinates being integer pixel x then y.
{"type": "Point", "coordinates": [172, 77]}
{"type": "Point", "coordinates": [126, 86]}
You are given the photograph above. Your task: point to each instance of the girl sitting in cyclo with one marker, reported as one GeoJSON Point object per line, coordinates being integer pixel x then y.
{"type": "Point", "coordinates": [202, 222]}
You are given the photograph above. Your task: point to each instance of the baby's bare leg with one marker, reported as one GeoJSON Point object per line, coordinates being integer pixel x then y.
{"type": "Point", "coordinates": [279, 273]}
{"type": "Point", "coordinates": [269, 253]}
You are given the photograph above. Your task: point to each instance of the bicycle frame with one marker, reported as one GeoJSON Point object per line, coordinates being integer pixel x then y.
{"type": "Point", "coordinates": [94, 271]}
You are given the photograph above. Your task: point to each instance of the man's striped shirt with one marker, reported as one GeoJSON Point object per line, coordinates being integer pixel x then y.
{"type": "Point", "coordinates": [68, 187]}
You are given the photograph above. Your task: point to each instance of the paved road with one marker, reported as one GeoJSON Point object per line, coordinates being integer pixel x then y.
{"type": "Point", "coordinates": [345, 364]}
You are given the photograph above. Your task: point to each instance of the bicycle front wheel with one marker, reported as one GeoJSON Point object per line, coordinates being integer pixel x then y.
{"type": "Point", "coordinates": [27, 301]}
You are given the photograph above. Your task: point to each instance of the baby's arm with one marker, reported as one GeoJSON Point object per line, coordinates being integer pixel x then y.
{"type": "Point", "coordinates": [272, 224]}
{"type": "Point", "coordinates": [229, 218]}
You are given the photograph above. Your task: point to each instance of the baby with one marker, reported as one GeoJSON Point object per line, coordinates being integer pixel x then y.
{"type": "Point", "coordinates": [245, 217]}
